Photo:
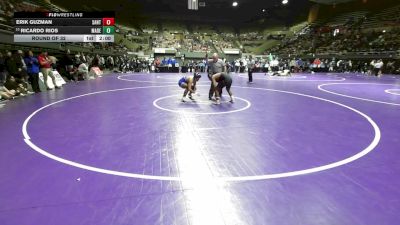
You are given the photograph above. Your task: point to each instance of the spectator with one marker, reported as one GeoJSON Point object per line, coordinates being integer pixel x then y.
{"type": "Point", "coordinates": [5, 93]}
{"type": "Point", "coordinates": [46, 69]}
{"type": "Point", "coordinates": [110, 62]}
{"type": "Point", "coordinates": [317, 63]}
{"type": "Point", "coordinates": [390, 67]}
{"type": "Point", "coordinates": [237, 66]}
{"type": "Point", "coordinates": [102, 62]}
{"type": "Point", "coordinates": [14, 66]}
{"type": "Point", "coordinates": [12, 84]}
{"type": "Point", "coordinates": [95, 70]}
{"type": "Point", "coordinates": [95, 61]}
{"type": "Point", "coordinates": [2, 68]}
{"type": "Point", "coordinates": [66, 66]}
{"type": "Point", "coordinates": [20, 56]}
{"type": "Point", "coordinates": [32, 65]}
{"type": "Point", "coordinates": [378, 67]}
{"type": "Point", "coordinates": [82, 69]}
{"type": "Point", "coordinates": [157, 64]}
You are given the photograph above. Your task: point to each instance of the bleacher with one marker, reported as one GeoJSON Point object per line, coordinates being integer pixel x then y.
{"type": "Point", "coordinates": [204, 37]}
{"type": "Point", "coordinates": [298, 27]}
{"type": "Point", "coordinates": [203, 29]}
{"type": "Point", "coordinates": [173, 27]}
{"type": "Point", "coordinates": [149, 28]}
{"type": "Point", "coordinates": [346, 18]}
{"type": "Point", "coordinates": [377, 20]}
{"type": "Point", "coordinates": [45, 5]}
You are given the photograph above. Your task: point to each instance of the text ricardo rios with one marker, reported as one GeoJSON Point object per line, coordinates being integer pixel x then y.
{"type": "Point", "coordinates": [38, 30]}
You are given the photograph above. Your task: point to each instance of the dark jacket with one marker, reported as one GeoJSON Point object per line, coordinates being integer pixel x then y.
{"type": "Point", "coordinates": [13, 64]}
{"type": "Point", "coordinates": [32, 64]}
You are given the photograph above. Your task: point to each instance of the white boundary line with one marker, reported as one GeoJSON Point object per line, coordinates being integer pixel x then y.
{"type": "Point", "coordinates": [288, 79]}
{"type": "Point", "coordinates": [320, 87]}
{"type": "Point", "coordinates": [248, 104]}
{"type": "Point", "coordinates": [390, 91]}
{"type": "Point", "coordinates": [368, 149]}
{"type": "Point", "coordinates": [120, 77]}
{"type": "Point", "coordinates": [166, 78]}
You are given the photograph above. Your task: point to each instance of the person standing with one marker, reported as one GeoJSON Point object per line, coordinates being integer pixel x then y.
{"type": "Point", "coordinates": [21, 57]}
{"type": "Point", "coordinates": [237, 66]}
{"type": "Point", "coordinates": [14, 66]}
{"type": "Point", "coordinates": [157, 64]}
{"type": "Point", "coordinates": [67, 66]}
{"type": "Point", "coordinates": [2, 68]}
{"type": "Point", "coordinates": [250, 68]}
{"type": "Point", "coordinates": [274, 66]}
{"type": "Point", "coordinates": [372, 67]}
{"type": "Point", "coordinates": [32, 66]}
{"type": "Point", "coordinates": [46, 69]}
{"type": "Point", "coordinates": [378, 68]}
{"type": "Point", "coordinates": [215, 65]}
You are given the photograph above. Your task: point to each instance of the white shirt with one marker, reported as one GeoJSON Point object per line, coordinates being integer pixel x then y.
{"type": "Point", "coordinates": [378, 65]}
{"type": "Point", "coordinates": [274, 63]}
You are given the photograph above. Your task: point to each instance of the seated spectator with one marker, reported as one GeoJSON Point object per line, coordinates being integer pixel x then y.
{"type": "Point", "coordinates": [5, 93]}
{"type": "Point", "coordinates": [19, 88]}
{"type": "Point", "coordinates": [83, 71]}
{"type": "Point", "coordinates": [95, 70]}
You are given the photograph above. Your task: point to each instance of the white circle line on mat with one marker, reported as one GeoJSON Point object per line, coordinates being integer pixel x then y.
{"type": "Point", "coordinates": [320, 87]}
{"type": "Point", "coordinates": [393, 91]}
{"type": "Point", "coordinates": [120, 77]}
{"type": "Point", "coordinates": [365, 151]}
{"type": "Point", "coordinates": [292, 80]}
{"type": "Point", "coordinates": [155, 104]}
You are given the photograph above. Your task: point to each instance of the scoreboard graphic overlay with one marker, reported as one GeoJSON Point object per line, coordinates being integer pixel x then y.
{"type": "Point", "coordinates": [64, 26]}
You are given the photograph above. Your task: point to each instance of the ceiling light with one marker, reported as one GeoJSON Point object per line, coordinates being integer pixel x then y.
{"type": "Point", "coordinates": [285, 2]}
{"type": "Point", "coordinates": [264, 10]}
{"type": "Point", "coordinates": [234, 4]}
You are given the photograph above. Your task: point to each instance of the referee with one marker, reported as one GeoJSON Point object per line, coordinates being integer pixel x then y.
{"type": "Point", "coordinates": [215, 65]}
{"type": "Point", "coordinates": [250, 68]}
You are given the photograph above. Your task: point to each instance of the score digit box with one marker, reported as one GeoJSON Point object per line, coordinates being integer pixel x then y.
{"type": "Point", "coordinates": [108, 21]}
{"type": "Point", "coordinates": [108, 30]}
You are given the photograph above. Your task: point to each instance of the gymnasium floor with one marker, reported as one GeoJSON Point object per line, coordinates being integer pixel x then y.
{"type": "Point", "coordinates": [309, 149]}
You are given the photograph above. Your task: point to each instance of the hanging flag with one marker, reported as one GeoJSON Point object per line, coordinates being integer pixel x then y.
{"type": "Point", "coordinates": [193, 4]}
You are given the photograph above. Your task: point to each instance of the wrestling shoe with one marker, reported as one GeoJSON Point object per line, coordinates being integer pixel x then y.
{"type": "Point", "coordinates": [232, 99]}
{"type": "Point", "coordinates": [191, 97]}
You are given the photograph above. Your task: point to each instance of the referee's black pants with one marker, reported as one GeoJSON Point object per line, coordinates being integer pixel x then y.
{"type": "Point", "coordinates": [250, 73]}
